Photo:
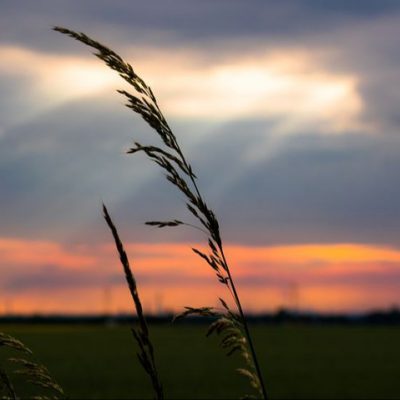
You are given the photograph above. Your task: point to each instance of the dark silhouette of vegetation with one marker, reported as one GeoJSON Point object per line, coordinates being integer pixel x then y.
{"type": "Point", "coordinates": [230, 324]}
{"type": "Point", "coordinates": [33, 372]}
{"type": "Point", "coordinates": [141, 335]}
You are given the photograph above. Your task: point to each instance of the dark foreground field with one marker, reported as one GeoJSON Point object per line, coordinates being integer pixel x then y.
{"type": "Point", "coordinates": [298, 361]}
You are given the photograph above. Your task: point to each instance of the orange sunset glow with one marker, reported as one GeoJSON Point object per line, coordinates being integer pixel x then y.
{"type": "Point", "coordinates": [335, 277]}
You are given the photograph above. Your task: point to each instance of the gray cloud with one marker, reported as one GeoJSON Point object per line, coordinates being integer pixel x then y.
{"type": "Point", "coordinates": [319, 189]}
{"type": "Point", "coordinates": [315, 189]}
{"type": "Point", "coordinates": [183, 20]}
{"type": "Point", "coordinates": [53, 277]}
{"type": "Point", "coordinates": [55, 169]}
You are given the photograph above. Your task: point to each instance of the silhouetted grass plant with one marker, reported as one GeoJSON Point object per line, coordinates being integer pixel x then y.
{"type": "Point", "coordinates": [32, 372]}
{"type": "Point", "coordinates": [141, 334]}
{"type": "Point", "coordinates": [230, 324]}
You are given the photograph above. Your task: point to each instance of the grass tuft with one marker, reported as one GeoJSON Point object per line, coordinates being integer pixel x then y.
{"type": "Point", "coordinates": [231, 325]}
{"type": "Point", "coordinates": [33, 372]}
{"type": "Point", "coordinates": [141, 335]}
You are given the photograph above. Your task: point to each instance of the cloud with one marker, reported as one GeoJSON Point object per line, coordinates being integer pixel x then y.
{"type": "Point", "coordinates": [371, 49]}
{"type": "Point", "coordinates": [183, 21]}
{"type": "Point", "coordinates": [309, 82]}
{"type": "Point", "coordinates": [310, 188]}
{"type": "Point", "coordinates": [283, 85]}
{"type": "Point", "coordinates": [38, 253]}
{"type": "Point", "coordinates": [286, 86]}
{"type": "Point", "coordinates": [55, 274]}
{"type": "Point", "coordinates": [41, 82]}
{"type": "Point", "coordinates": [264, 188]}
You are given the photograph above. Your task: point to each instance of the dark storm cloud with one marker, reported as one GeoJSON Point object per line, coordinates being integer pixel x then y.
{"type": "Point", "coordinates": [362, 36]}
{"type": "Point", "coordinates": [319, 189]}
{"type": "Point", "coordinates": [370, 52]}
{"type": "Point", "coordinates": [53, 277]}
{"type": "Point", "coordinates": [182, 20]}
{"type": "Point", "coordinates": [315, 189]}
{"type": "Point", "coordinates": [56, 169]}
{"type": "Point", "coordinates": [304, 188]}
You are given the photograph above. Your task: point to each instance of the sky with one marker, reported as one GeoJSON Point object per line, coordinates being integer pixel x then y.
{"type": "Point", "coordinates": [287, 110]}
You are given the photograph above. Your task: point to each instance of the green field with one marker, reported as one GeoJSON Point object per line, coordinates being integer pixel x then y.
{"type": "Point", "coordinates": [299, 361]}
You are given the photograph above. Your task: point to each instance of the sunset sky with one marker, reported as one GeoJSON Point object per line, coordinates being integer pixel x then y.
{"type": "Point", "coordinates": [288, 111]}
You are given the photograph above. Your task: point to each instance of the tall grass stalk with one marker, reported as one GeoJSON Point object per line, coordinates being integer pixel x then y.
{"type": "Point", "coordinates": [141, 335]}
{"type": "Point", "coordinates": [231, 325]}
{"type": "Point", "coordinates": [33, 372]}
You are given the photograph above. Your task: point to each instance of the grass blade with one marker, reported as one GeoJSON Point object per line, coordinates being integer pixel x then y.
{"type": "Point", "coordinates": [141, 335]}
{"type": "Point", "coordinates": [33, 372]}
{"type": "Point", "coordinates": [179, 172]}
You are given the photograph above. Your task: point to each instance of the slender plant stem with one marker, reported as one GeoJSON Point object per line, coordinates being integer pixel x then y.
{"type": "Point", "coordinates": [195, 227]}
{"type": "Point", "coordinates": [150, 111]}
{"type": "Point", "coordinates": [231, 285]}
{"type": "Point", "coordinates": [7, 383]}
{"type": "Point", "coordinates": [141, 334]}
{"type": "Point", "coordinates": [245, 325]}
